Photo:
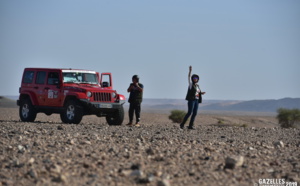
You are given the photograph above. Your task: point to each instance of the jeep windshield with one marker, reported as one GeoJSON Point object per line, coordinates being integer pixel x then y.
{"type": "Point", "coordinates": [79, 76]}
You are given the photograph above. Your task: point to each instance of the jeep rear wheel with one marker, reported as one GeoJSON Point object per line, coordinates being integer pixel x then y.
{"type": "Point", "coordinates": [72, 113]}
{"type": "Point", "coordinates": [116, 118]}
{"type": "Point", "coordinates": [26, 111]}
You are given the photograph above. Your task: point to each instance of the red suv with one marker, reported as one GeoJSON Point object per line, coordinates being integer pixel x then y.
{"type": "Point", "coordinates": [70, 93]}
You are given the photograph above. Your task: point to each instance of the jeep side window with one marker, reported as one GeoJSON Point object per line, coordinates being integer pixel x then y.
{"type": "Point", "coordinates": [28, 77]}
{"type": "Point", "coordinates": [40, 77]}
{"type": "Point", "coordinates": [53, 78]}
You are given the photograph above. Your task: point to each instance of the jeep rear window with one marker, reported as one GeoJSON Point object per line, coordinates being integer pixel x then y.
{"type": "Point", "coordinates": [80, 77]}
{"type": "Point", "coordinates": [28, 76]}
{"type": "Point", "coordinates": [40, 77]}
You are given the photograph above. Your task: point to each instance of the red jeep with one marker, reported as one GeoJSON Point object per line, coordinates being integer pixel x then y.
{"type": "Point", "coordinates": [70, 93]}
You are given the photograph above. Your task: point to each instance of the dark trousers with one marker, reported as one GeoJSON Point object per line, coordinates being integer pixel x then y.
{"type": "Point", "coordinates": [135, 107]}
{"type": "Point", "coordinates": [192, 109]}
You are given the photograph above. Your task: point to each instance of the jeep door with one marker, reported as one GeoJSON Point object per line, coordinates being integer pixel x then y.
{"type": "Point", "coordinates": [106, 80]}
{"type": "Point", "coordinates": [39, 87]}
{"type": "Point", "coordinates": [53, 94]}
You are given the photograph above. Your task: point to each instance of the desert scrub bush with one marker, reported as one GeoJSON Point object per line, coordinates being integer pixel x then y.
{"type": "Point", "coordinates": [177, 116]}
{"type": "Point", "coordinates": [239, 125]}
{"type": "Point", "coordinates": [244, 125]}
{"type": "Point", "coordinates": [221, 121]}
{"type": "Point", "coordinates": [288, 117]}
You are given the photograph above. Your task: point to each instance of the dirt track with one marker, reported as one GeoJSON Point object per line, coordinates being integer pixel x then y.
{"type": "Point", "coordinates": [47, 152]}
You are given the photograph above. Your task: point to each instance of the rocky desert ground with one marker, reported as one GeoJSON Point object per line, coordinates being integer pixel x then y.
{"type": "Point", "coordinates": [223, 150]}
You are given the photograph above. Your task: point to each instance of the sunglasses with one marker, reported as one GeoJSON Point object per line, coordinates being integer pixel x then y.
{"type": "Point", "coordinates": [195, 78]}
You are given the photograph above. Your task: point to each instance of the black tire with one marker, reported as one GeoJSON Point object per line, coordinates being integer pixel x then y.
{"type": "Point", "coordinates": [26, 111]}
{"type": "Point", "coordinates": [116, 118]}
{"type": "Point", "coordinates": [72, 113]}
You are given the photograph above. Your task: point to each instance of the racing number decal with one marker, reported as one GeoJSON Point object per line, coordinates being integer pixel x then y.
{"type": "Point", "coordinates": [52, 94]}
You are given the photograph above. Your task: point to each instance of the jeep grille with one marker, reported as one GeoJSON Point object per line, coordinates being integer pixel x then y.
{"type": "Point", "coordinates": [102, 96]}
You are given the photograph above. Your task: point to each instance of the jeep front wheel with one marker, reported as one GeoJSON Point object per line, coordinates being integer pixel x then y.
{"type": "Point", "coordinates": [26, 111]}
{"type": "Point", "coordinates": [116, 118]}
{"type": "Point", "coordinates": [72, 113]}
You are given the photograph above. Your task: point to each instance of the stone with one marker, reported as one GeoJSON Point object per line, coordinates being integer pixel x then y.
{"type": "Point", "coordinates": [71, 141]}
{"type": "Point", "coordinates": [21, 149]}
{"type": "Point", "coordinates": [207, 158]}
{"type": "Point", "coordinates": [31, 161]}
{"type": "Point", "coordinates": [135, 167]}
{"type": "Point", "coordinates": [250, 148]}
{"type": "Point", "coordinates": [164, 182]}
{"type": "Point", "coordinates": [233, 162]}
{"type": "Point", "coordinates": [145, 180]}
{"type": "Point", "coordinates": [137, 173]}
{"type": "Point", "coordinates": [150, 151]}
{"type": "Point", "coordinates": [125, 172]}
{"type": "Point", "coordinates": [16, 163]}
{"type": "Point", "coordinates": [278, 144]}
{"type": "Point", "coordinates": [32, 173]}
{"type": "Point", "coordinates": [60, 179]}
{"type": "Point", "coordinates": [60, 128]}
{"type": "Point", "coordinates": [56, 169]}
{"type": "Point", "coordinates": [88, 142]}
{"type": "Point", "coordinates": [111, 150]}
{"type": "Point", "coordinates": [35, 144]}
{"type": "Point", "coordinates": [192, 173]}
{"type": "Point", "coordinates": [158, 173]}
{"type": "Point", "coordinates": [86, 165]}
{"type": "Point", "coordinates": [258, 143]}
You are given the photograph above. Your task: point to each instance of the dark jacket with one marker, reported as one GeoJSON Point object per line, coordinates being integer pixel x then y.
{"type": "Point", "coordinates": [136, 95]}
{"type": "Point", "coordinates": [191, 93]}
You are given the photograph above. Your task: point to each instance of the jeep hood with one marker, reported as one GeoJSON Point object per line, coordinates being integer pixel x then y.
{"type": "Point", "coordinates": [88, 87]}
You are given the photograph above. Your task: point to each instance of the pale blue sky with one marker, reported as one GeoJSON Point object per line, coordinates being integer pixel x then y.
{"type": "Point", "coordinates": [242, 50]}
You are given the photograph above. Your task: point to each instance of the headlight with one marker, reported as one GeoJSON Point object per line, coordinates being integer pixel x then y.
{"type": "Point", "coordinates": [88, 94]}
{"type": "Point", "coordinates": [114, 95]}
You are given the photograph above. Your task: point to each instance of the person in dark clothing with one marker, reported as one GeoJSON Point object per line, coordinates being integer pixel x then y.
{"type": "Point", "coordinates": [194, 97]}
{"type": "Point", "coordinates": [135, 99]}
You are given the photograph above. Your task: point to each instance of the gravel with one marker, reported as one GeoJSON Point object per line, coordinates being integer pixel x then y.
{"type": "Point", "coordinates": [47, 152]}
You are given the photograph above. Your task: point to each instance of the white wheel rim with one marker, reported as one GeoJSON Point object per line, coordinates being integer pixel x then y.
{"type": "Point", "coordinates": [25, 111]}
{"type": "Point", "coordinates": [70, 112]}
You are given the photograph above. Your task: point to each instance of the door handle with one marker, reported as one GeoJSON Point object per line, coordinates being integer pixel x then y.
{"type": "Point", "coordinates": [36, 87]}
{"type": "Point", "coordinates": [47, 88]}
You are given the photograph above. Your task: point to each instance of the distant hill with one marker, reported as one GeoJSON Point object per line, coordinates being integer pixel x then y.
{"type": "Point", "coordinates": [256, 105]}
{"type": "Point", "coordinates": [7, 103]}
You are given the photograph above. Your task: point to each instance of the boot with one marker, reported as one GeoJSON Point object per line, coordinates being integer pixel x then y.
{"type": "Point", "coordinates": [182, 125]}
{"type": "Point", "coordinates": [191, 126]}
{"type": "Point", "coordinates": [129, 124]}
